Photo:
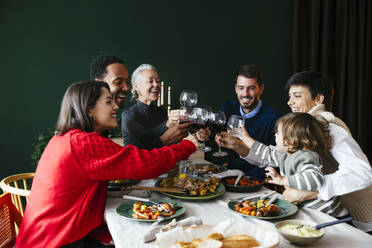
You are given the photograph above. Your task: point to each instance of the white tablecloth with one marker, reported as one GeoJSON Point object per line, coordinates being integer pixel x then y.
{"type": "Point", "coordinates": [126, 233]}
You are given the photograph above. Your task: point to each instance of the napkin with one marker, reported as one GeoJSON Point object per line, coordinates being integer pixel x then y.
{"type": "Point", "coordinates": [150, 234]}
{"type": "Point", "coordinates": [236, 225]}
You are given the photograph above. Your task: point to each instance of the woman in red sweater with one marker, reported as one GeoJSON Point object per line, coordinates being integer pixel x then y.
{"type": "Point", "coordinates": [69, 188]}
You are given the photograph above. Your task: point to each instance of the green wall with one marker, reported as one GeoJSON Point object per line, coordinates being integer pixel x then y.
{"type": "Point", "coordinates": [47, 45]}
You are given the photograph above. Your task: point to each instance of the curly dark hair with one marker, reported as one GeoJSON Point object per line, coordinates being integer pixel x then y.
{"type": "Point", "coordinates": [249, 71]}
{"type": "Point", "coordinates": [97, 69]}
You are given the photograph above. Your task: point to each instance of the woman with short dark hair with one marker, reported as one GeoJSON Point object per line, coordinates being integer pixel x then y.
{"type": "Point", "coordinates": [312, 92]}
{"type": "Point", "coordinates": [68, 193]}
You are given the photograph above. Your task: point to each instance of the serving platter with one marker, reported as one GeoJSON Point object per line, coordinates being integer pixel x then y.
{"type": "Point", "coordinates": [188, 197]}
{"type": "Point", "coordinates": [126, 210]}
{"type": "Point", "coordinates": [286, 209]}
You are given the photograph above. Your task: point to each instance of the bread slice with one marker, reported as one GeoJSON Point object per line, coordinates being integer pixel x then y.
{"type": "Point", "coordinates": [239, 241]}
{"type": "Point", "coordinates": [197, 243]}
{"type": "Point", "coordinates": [216, 236]}
{"type": "Point", "coordinates": [194, 244]}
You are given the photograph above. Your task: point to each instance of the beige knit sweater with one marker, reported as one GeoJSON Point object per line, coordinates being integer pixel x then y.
{"type": "Point", "coordinates": [358, 203]}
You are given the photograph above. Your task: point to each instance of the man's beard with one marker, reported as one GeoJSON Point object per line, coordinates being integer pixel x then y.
{"type": "Point", "coordinates": [250, 106]}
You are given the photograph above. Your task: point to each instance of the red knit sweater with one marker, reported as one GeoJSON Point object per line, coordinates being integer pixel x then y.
{"type": "Point", "coordinates": [69, 188]}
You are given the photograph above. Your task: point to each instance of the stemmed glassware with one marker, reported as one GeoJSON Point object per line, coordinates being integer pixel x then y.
{"type": "Point", "coordinates": [234, 125]}
{"type": "Point", "coordinates": [217, 121]}
{"type": "Point", "coordinates": [203, 147]}
{"type": "Point", "coordinates": [185, 114]}
{"type": "Point", "coordinates": [188, 99]}
{"type": "Point", "coordinates": [198, 119]}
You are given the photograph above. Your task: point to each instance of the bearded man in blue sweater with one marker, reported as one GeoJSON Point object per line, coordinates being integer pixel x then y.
{"type": "Point", "coordinates": [259, 118]}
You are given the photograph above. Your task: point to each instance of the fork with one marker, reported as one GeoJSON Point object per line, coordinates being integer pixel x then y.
{"type": "Point", "coordinates": [259, 195]}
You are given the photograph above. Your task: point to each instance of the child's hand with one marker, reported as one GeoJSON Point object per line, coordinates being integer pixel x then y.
{"type": "Point", "coordinates": [276, 178]}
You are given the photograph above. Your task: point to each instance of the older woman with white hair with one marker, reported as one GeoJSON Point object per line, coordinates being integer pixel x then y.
{"type": "Point", "coordinates": [145, 124]}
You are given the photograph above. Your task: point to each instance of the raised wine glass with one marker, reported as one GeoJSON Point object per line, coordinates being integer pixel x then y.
{"type": "Point", "coordinates": [188, 99]}
{"type": "Point", "coordinates": [217, 121]}
{"type": "Point", "coordinates": [234, 125]}
{"type": "Point", "coordinates": [185, 113]}
{"type": "Point", "coordinates": [198, 119]}
{"type": "Point", "coordinates": [203, 147]}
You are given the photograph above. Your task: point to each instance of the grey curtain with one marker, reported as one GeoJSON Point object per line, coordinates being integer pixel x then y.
{"type": "Point", "coordinates": [334, 36]}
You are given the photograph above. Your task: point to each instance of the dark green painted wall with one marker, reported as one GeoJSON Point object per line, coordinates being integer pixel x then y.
{"type": "Point", "coordinates": [47, 45]}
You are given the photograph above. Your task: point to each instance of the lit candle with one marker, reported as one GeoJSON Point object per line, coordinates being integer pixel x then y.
{"type": "Point", "coordinates": [169, 94]}
{"type": "Point", "coordinates": [162, 94]}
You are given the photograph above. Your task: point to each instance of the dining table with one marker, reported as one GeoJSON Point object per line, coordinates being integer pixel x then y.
{"type": "Point", "coordinates": [127, 232]}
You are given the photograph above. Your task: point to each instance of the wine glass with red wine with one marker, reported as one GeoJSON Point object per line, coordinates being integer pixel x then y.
{"type": "Point", "coordinates": [203, 147]}
{"type": "Point", "coordinates": [185, 113]}
{"type": "Point", "coordinates": [198, 119]}
{"type": "Point", "coordinates": [217, 121]}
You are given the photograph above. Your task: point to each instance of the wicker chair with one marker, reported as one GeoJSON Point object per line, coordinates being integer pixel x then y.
{"type": "Point", "coordinates": [9, 216]}
{"type": "Point", "coordinates": [18, 186]}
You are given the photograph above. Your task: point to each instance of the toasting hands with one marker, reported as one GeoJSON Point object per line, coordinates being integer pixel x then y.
{"type": "Point", "coordinates": [226, 140]}
{"type": "Point", "coordinates": [173, 118]}
{"type": "Point", "coordinates": [175, 134]}
{"type": "Point", "coordinates": [203, 134]}
{"type": "Point", "coordinates": [193, 139]}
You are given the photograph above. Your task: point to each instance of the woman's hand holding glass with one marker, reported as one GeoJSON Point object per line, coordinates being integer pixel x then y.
{"type": "Point", "coordinates": [173, 118]}
{"type": "Point", "coordinates": [184, 114]}
{"type": "Point", "coordinates": [193, 139]}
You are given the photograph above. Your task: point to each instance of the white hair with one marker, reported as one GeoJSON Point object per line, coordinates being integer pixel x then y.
{"type": "Point", "coordinates": [135, 76]}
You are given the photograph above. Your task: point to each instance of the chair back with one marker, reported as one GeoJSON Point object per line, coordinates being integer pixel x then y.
{"type": "Point", "coordinates": [19, 187]}
{"type": "Point", "coordinates": [9, 216]}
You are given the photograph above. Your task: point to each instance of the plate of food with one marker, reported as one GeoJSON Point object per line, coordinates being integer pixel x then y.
{"type": "Point", "coordinates": [195, 188]}
{"type": "Point", "coordinates": [245, 184]}
{"type": "Point", "coordinates": [149, 211]}
{"type": "Point", "coordinates": [259, 209]}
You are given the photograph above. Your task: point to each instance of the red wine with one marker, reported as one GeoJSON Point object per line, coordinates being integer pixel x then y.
{"type": "Point", "coordinates": [195, 127]}
{"type": "Point", "coordinates": [217, 128]}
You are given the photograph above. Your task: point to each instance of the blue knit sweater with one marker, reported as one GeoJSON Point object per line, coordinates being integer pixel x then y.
{"type": "Point", "coordinates": [260, 127]}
